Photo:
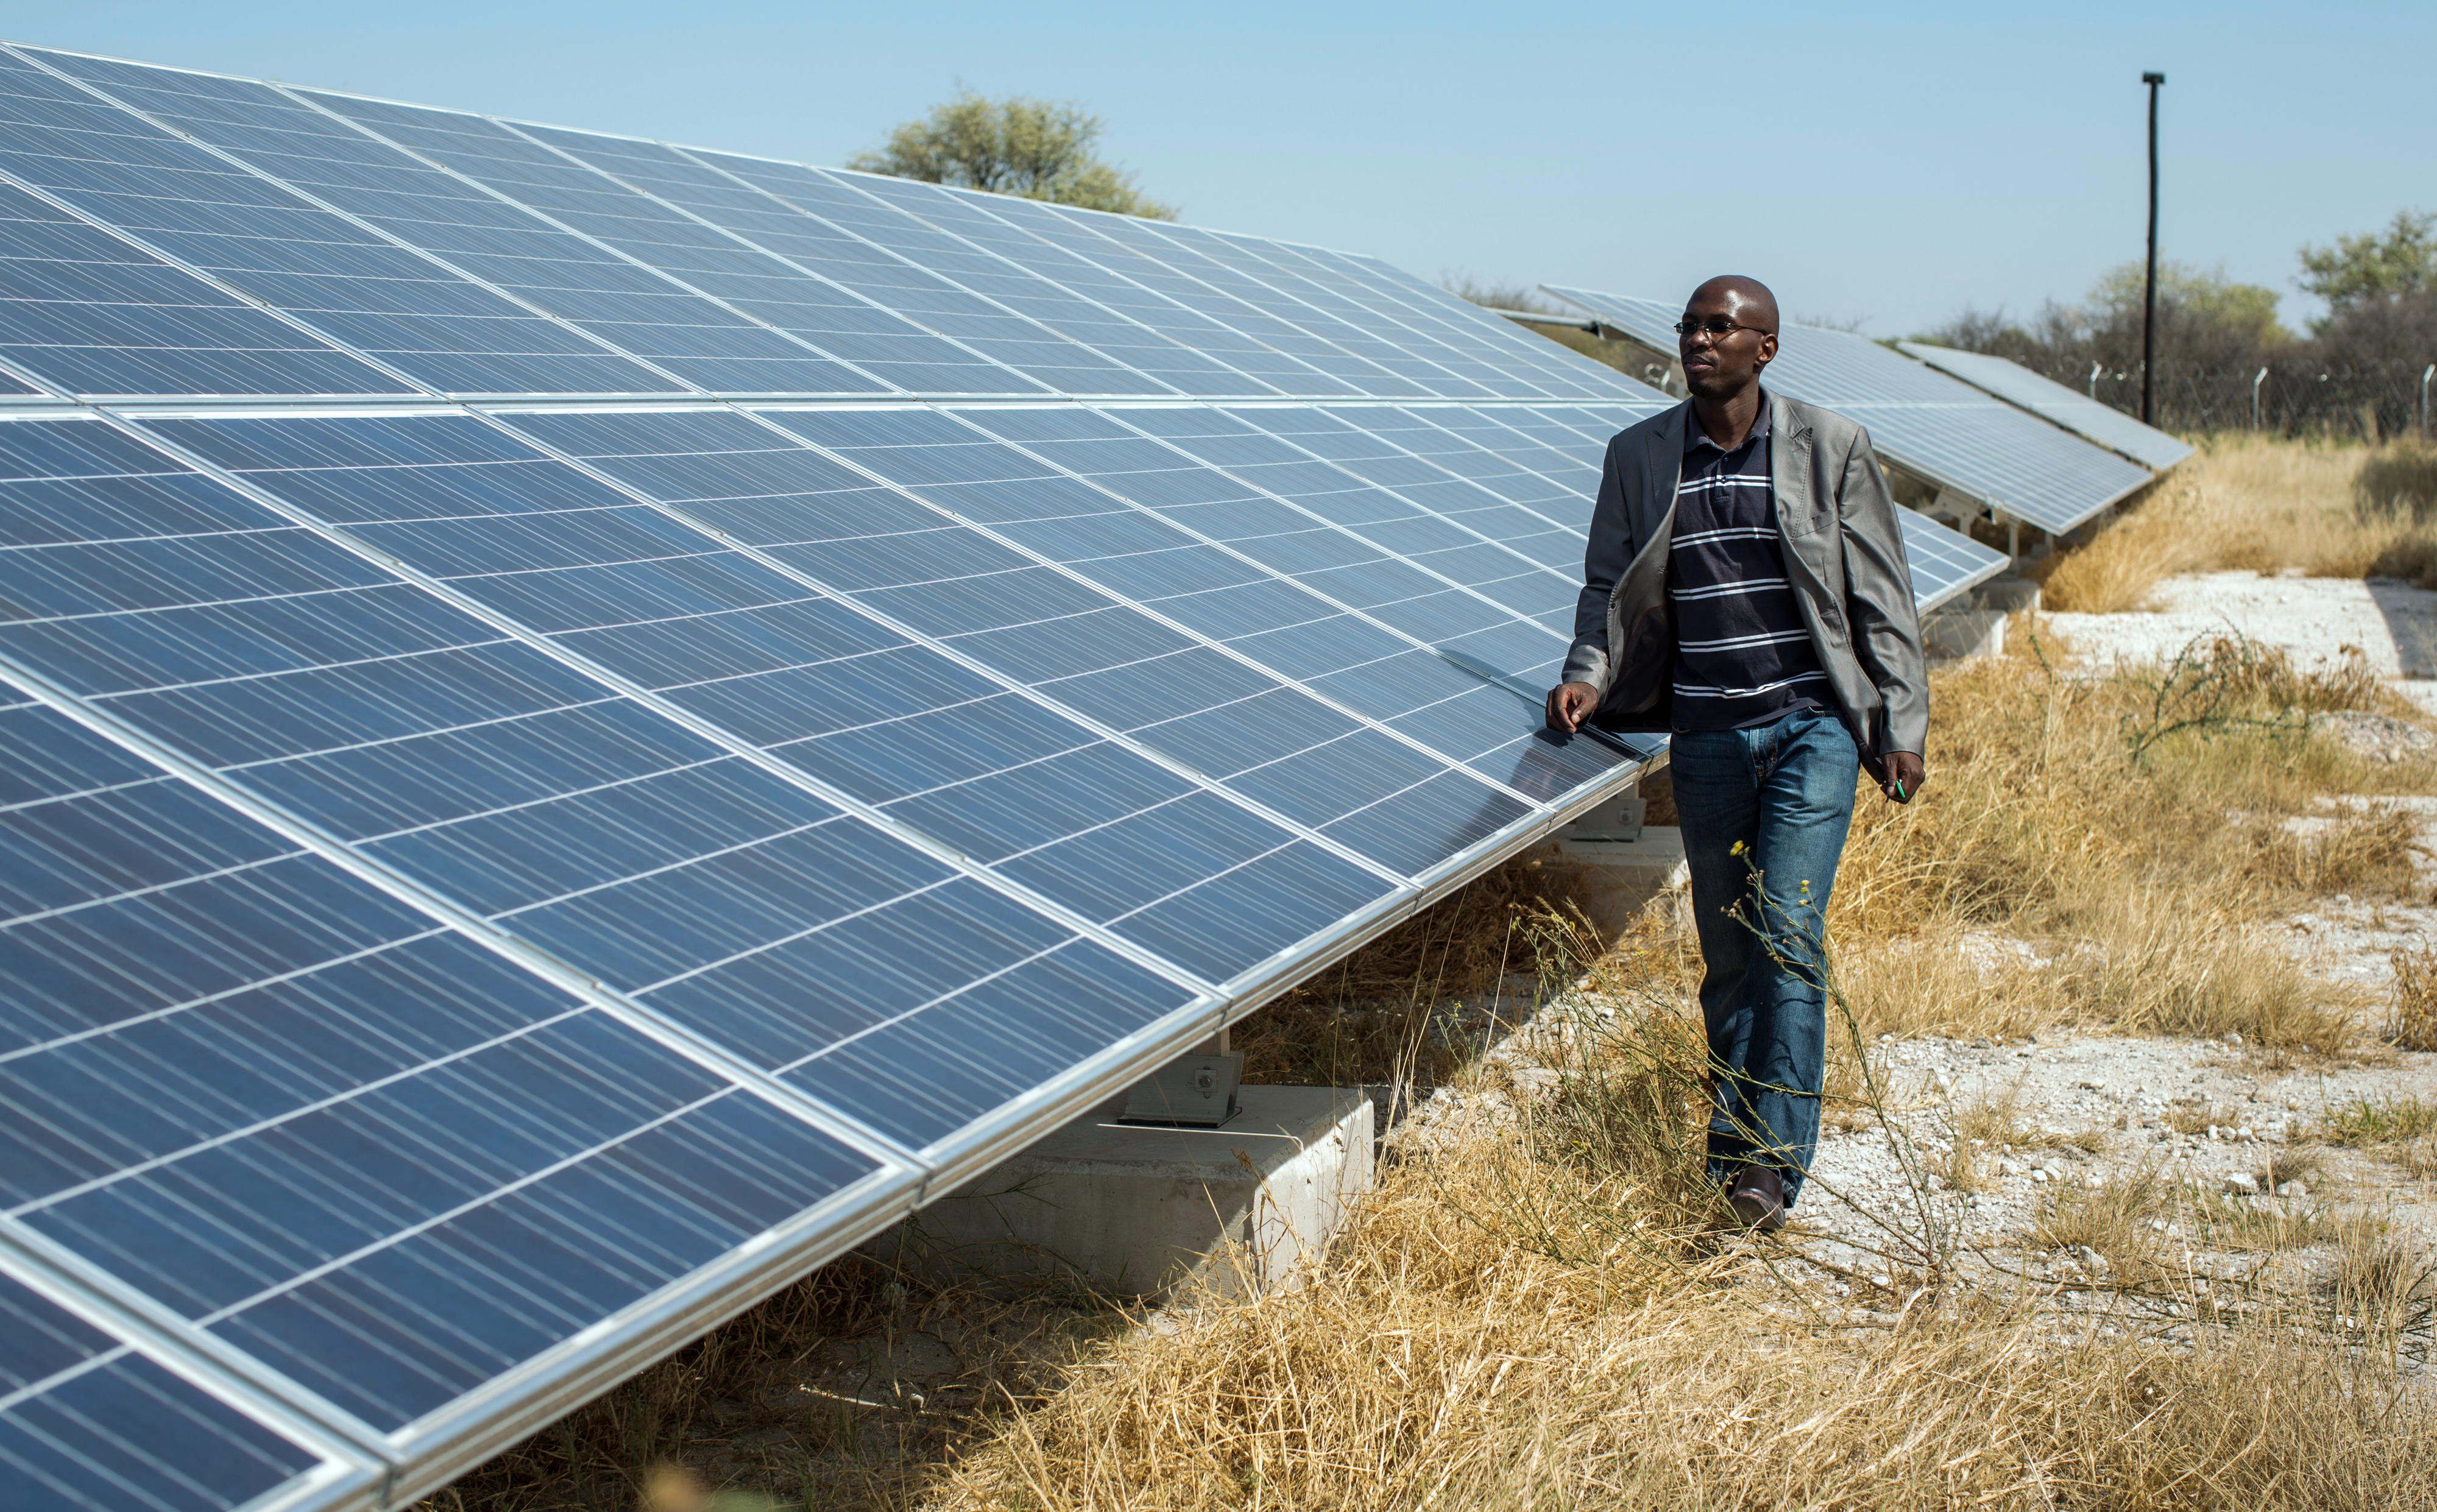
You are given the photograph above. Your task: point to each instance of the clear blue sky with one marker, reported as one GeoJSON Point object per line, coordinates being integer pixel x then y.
{"type": "Point", "coordinates": [1890, 164]}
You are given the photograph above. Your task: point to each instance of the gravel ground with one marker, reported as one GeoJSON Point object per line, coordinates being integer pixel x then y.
{"type": "Point", "coordinates": [2313, 619]}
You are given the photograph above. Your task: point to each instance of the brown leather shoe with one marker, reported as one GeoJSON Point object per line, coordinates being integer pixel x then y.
{"type": "Point", "coordinates": [1758, 1197]}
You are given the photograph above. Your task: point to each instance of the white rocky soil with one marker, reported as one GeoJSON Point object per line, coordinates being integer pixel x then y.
{"type": "Point", "coordinates": [2313, 619]}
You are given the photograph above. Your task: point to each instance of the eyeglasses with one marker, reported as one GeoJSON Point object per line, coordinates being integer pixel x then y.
{"type": "Point", "coordinates": [1716, 327]}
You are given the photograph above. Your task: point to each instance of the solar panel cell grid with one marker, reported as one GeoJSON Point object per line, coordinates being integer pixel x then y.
{"type": "Point", "coordinates": [1291, 623]}
{"type": "Point", "coordinates": [1410, 596]}
{"type": "Point", "coordinates": [783, 268]}
{"type": "Point", "coordinates": [888, 256]}
{"type": "Point", "coordinates": [340, 279]}
{"type": "Point", "coordinates": [1557, 372]}
{"type": "Point", "coordinates": [1944, 563]}
{"type": "Point", "coordinates": [1459, 501]}
{"type": "Point", "coordinates": [93, 314]}
{"type": "Point", "coordinates": [986, 774]}
{"type": "Point", "coordinates": [1206, 275]}
{"type": "Point", "coordinates": [1026, 275]}
{"type": "Point", "coordinates": [257, 1091]}
{"type": "Point", "coordinates": [624, 304]}
{"type": "Point", "coordinates": [90, 1422]}
{"type": "Point", "coordinates": [459, 757]}
{"type": "Point", "coordinates": [1191, 313]}
{"type": "Point", "coordinates": [1081, 299]}
{"type": "Point", "coordinates": [891, 553]}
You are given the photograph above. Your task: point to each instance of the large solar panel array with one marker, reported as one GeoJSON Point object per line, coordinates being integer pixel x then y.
{"type": "Point", "coordinates": [1944, 431]}
{"type": "Point", "coordinates": [2079, 414]}
{"type": "Point", "coordinates": [588, 723]}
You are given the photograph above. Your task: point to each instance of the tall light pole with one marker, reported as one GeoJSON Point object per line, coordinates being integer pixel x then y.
{"type": "Point", "coordinates": [2149, 285]}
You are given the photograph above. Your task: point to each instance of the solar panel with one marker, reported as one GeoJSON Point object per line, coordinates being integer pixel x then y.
{"type": "Point", "coordinates": [587, 722]}
{"type": "Point", "coordinates": [2082, 415]}
{"type": "Point", "coordinates": [1945, 564]}
{"type": "Point", "coordinates": [1950, 433]}
{"type": "Point", "coordinates": [88, 1420]}
{"type": "Point", "coordinates": [326, 273]}
{"type": "Point", "coordinates": [94, 316]}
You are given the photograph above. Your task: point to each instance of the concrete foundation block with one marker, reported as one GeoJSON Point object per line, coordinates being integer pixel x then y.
{"type": "Point", "coordinates": [1962, 634]}
{"type": "Point", "coordinates": [1621, 875]}
{"type": "Point", "coordinates": [1142, 1211]}
{"type": "Point", "coordinates": [2007, 596]}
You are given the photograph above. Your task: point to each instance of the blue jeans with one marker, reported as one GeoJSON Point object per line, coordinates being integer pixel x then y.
{"type": "Point", "coordinates": [1764, 814]}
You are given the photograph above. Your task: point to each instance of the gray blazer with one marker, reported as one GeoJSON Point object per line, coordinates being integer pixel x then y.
{"type": "Point", "coordinates": [1844, 554]}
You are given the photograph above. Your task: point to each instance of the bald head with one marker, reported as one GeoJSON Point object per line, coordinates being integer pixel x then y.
{"type": "Point", "coordinates": [1729, 334]}
{"type": "Point", "coordinates": [1746, 301]}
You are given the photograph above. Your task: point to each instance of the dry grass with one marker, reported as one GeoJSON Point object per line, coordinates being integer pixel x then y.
{"type": "Point", "coordinates": [2075, 862]}
{"type": "Point", "coordinates": [2329, 508]}
{"type": "Point", "coordinates": [2387, 1120]}
{"type": "Point", "coordinates": [1980, 1130]}
{"type": "Point", "coordinates": [2121, 1219]}
{"type": "Point", "coordinates": [1444, 1357]}
{"type": "Point", "coordinates": [2412, 1025]}
{"type": "Point", "coordinates": [2262, 1224]}
{"type": "Point", "coordinates": [2197, 1118]}
{"type": "Point", "coordinates": [1538, 1318]}
{"type": "Point", "coordinates": [2399, 479]}
{"type": "Point", "coordinates": [2384, 1281]}
{"type": "Point", "coordinates": [1995, 1120]}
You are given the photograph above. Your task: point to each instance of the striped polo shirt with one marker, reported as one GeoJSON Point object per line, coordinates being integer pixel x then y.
{"type": "Point", "coordinates": [1743, 654]}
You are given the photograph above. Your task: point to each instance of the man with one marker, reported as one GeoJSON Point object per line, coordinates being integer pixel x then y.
{"type": "Point", "coordinates": [1745, 589]}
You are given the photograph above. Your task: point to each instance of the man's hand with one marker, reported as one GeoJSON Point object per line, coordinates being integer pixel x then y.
{"type": "Point", "coordinates": [1569, 704]}
{"type": "Point", "coordinates": [1905, 776]}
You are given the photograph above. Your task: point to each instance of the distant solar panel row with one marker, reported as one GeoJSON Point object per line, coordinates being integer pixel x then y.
{"type": "Point", "coordinates": [1948, 433]}
{"type": "Point", "coordinates": [583, 723]}
{"type": "Point", "coordinates": [2050, 400]}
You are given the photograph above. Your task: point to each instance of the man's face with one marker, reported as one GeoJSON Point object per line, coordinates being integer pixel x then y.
{"type": "Point", "coordinates": [1719, 366]}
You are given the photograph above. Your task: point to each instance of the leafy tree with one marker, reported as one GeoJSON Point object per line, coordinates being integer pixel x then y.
{"type": "Point", "coordinates": [2205, 320]}
{"type": "Point", "coordinates": [1036, 149]}
{"type": "Point", "coordinates": [2399, 264]}
{"type": "Point", "coordinates": [2194, 300]}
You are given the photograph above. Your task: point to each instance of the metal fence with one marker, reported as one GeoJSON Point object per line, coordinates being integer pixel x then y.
{"type": "Point", "coordinates": [2289, 398]}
